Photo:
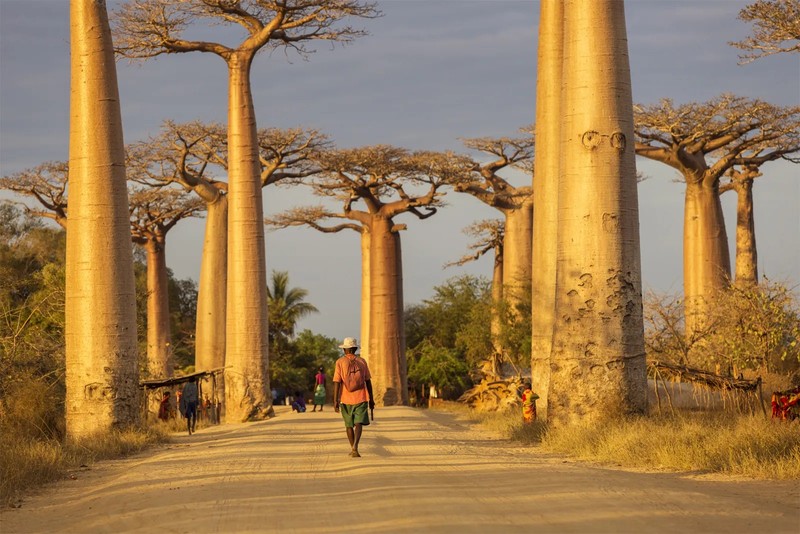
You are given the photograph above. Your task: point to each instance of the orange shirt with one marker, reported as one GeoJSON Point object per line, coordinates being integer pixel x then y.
{"type": "Point", "coordinates": [351, 397]}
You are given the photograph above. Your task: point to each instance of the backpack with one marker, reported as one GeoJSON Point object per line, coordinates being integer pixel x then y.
{"type": "Point", "coordinates": [353, 378]}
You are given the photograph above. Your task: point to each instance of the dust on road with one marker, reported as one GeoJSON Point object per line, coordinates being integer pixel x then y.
{"type": "Point", "coordinates": [420, 471]}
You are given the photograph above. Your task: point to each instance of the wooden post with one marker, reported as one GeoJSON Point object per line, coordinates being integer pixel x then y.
{"type": "Point", "coordinates": [761, 396]}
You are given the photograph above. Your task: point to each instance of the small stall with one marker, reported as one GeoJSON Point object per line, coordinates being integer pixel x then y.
{"type": "Point", "coordinates": [210, 405]}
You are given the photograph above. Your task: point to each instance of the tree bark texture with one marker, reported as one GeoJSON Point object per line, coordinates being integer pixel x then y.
{"type": "Point", "coordinates": [247, 391]}
{"type": "Point", "coordinates": [212, 290]}
{"type": "Point", "coordinates": [159, 349]}
{"type": "Point", "coordinates": [495, 328]}
{"type": "Point", "coordinates": [517, 254]}
{"type": "Point", "coordinates": [545, 194]}
{"type": "Point", "coordinates": [101, 346]}
{"type": "Point", "coordinates": [598, 367]}
{"type": "Point", "coordinates": [365, 293]}
{"type": "Point", "coordinates": [706, 260]}
{"type": "Point", "coordinates": [387, 359]}
{"type": "Point", "coordinates": [746, 251]}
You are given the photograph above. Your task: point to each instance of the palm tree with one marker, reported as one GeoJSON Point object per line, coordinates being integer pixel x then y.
{"type": "Point", "coordinates": [286, 307]}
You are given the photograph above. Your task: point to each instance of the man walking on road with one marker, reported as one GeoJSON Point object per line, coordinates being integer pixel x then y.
{"type": "Point", "coordinates": [352, 391]}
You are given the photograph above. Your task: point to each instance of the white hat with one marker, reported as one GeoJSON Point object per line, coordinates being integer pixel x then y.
{"type": "Point", "coordinates": [349, 343]}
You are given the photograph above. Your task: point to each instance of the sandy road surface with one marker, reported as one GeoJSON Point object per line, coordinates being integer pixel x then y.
{"type": "Point", "coordinates": [420, 471]}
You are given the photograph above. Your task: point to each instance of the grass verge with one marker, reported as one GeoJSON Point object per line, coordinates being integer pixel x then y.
{"type": "Point", "coordinates": [733, 444]}
{"type": "Point", "coordinates": [26, 463]}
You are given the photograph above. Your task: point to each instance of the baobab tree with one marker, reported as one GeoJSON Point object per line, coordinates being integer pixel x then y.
{"type": "Point", "coordinates": [101, 346]}
{"type": "Point", "coordinates": [321, 219]}
{"type": "Point", "coordinates": [514, 202]}
{"type": "Point", "coordinates": [188, 154]}
{"type": "Point", "coordinates": [545, 187]}
{"type": "Point", "coordinates": [703, 141]}
{"type": "Point", "coordinates": [386, 181]}
{"type": "Point", "coordinates": [489, 236]}
{"type": "Point", "coordinates": [598, 365]}
{"type": "Point", "coordinates": [149, 28]}
{"type": "Point", "coordinates": [154, 212]}
{"type": "Point", "coordinates": [47, 184]}
{"type": "Point", "coordinates": [741, 181]}
{"type": "Point", "coordinates": [776, 29]}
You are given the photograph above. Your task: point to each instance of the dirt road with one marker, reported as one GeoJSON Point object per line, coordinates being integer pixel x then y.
{"type": "Point", "coordinates": [420, 471]}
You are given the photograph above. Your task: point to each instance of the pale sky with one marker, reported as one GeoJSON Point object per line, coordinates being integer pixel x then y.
{"type": "Point", "coordinates": [429, 73]}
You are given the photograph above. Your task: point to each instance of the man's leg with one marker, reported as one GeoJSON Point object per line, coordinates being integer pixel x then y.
{"type": "Point", "coordinates": [350, 435]}
{"type": "Point", "coordinates": [356, 436]}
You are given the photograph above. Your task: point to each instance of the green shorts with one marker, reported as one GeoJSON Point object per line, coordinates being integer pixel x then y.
{"type": "Point", "coordinates": [355, 414]}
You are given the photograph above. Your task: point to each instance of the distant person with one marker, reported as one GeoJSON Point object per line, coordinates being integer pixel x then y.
{"type": "Point", "coordinates": [528, 404]}
{"type": "Point", "coordinates": [352, 391]}
{"type": "Point", "coordinates": [319, 390]}
{"type": "Point", "coordinates": [299, 403]}
{"type": "Point", "coordinates": [164, 408]}
{"type": "Point", "coordinates": [190, 398]}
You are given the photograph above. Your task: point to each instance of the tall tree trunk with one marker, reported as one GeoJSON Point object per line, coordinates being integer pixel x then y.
{"type": "Point", "coordinates": [545, 194]}
{"type": "Point", "coordinates": [598, 367]}
{"type": "Point", "coordinates": [495, 327]}
{"type": "Point", "coordinates": [101, 346]}
{"type": "Point", "coordinates": [387, 360]}
{"type": "Point", "coordinates": [159, 350]}
{"type": "Point", "coordinates": [517, 254]}
{"type": "Point", "coordinates": [365, 294]}
{"type": "Point", "coordinates": [746, 252]}
{"type": "Point", "coordinates": [706, 260]}
{"type": "Point", "coordinates": [247, 391]}
{"type": "Point", "coordinates": [212, 290]}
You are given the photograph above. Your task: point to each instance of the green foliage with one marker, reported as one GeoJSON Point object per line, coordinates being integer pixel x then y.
{"type": "Point", "coordinates": [754, 327]}
{"type": "Point", "coordinates": [293, 369]}
{"type": "Point", "coordinates": [293, 362]}
{"type": "Point", "coordinates": [183, 318]}
{"type": "Point", "coordinates": [182, 296]}
{"type": "Point", "coordinates": [758, 328]}
{"type": "Point", "coordinates": [453, 326]}
{"type": "Point", "coordinates": [31, 326]}
{"type": "Point", "coordinates": [440, 366]}
{"type": "Point", "coordinates": [515, 327]}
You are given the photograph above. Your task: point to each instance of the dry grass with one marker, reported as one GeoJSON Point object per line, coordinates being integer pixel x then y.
{"type": "Point", "coordinates": [26, 463]}
{"type": "Point", "coordinates": [752, 446]}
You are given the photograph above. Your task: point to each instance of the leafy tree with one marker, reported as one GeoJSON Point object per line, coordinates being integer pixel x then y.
{"type": "Point", "coordinates": [438, 366]}
{"type": "Point", "coordinates": [31, 327]}
{"type": "Point", "coordinates": [750, 327]}
{"type": "Point", "coordinates": [454, 325]}
{"type": "Point", "coordinates": [776, 29]}
{"type": "Point", "coordinates": [286, 307]}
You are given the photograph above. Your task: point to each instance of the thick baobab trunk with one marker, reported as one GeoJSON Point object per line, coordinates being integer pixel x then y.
{"type": "Point", "coordinates": [746, 252]}
{"type": "Point", "coordinates": [706, 260]}
{"type": "Point", "coordinates": [247, 392]}
{"type": "Point", "coordinates": [517, 254]}
{"type": "Point", "coordinates": [387, 359]}
{"type": "Point", "coordinates": [212, 290]}
{"type": "Point", "coordinates": [598, 367]}
{"type": "Point", "coordinates": [101, 352]}
{"type": "Point", "coordinates": [495, 327]}
{"type": "Point", "coordinates": [159, 349]}
{"type": "Point", "coordinates": [365, 295]}
{"type": "Point", "coordinates": [545, 194]}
